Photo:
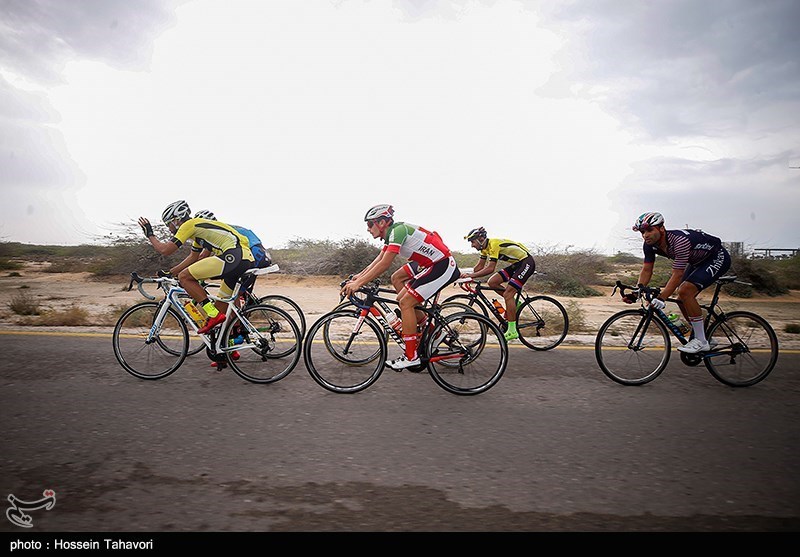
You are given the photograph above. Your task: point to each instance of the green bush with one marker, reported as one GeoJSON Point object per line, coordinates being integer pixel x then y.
{"type": "Point", "coordinates": [793, 328]}
{"type": "Point", "coordinates": [8, 265]}
{"type": "Point", "coordinates": [760, 273]}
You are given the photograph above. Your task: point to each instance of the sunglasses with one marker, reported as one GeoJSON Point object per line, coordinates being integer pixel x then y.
{"type": "Point", "coordinates": [644, 228]}
{"type": "Point", "coordinates": [371, 223]}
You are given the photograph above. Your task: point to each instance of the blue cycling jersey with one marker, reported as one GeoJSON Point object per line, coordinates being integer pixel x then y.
{"type": "Point", "coordinates": [256, 247]}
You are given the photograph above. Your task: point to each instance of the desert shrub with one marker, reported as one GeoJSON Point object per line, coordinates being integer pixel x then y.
{"type": "Point", "coordinates": [787, 271]}
{"type": "Point", "coordinates": [112, 315]}
{"type": "Point", "coordinates": [13, 274]}
{"type": "Point", "coordinates": [569, 274]}
{"type": "Point", "coordinates": [622, 258]}
{"type": "Point", "coordinates": [24, 303]}
{"type": "Point", "coordinates": [73, 316]}
{"type": "Point", "coordinates": [758, 273]}
{"type": "Point", "coordinates": [342, 258]}
{"type": "Point", "coordinates": [8, 265]}
{"type": "Point", "coordinates": [577, 317]}
{"type": "Point", "coordinates": [793, 328]}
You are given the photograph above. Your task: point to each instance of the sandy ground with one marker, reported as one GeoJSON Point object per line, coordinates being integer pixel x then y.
{"type": "Point", "coordinates": [103, 299]}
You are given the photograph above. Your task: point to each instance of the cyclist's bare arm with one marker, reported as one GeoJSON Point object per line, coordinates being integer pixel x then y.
{"type": "Point", "coordinates": [164, 248]}
{"type": "Point", "coordinates": [188, 260]}
{"type": "Point", "coordinates": [483, 268]}
{"type": "Point", "coordinates": [375, 269]}
{"type": "Point", "coordinates": [368, 267]}
{"type": "Point", "coordinates": [646, 273]}
{"type": "Point", "coordinates": [672, 284]}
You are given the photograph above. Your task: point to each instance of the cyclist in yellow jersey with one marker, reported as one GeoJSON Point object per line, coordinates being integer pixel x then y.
{"type": "Point", "coordinates": [520, 268]}
{"type": "Point", "coordinates": [231, 256]}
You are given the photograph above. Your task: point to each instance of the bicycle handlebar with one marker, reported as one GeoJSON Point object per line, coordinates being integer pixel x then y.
{"type": "Point", "coordinates": [640, 290]}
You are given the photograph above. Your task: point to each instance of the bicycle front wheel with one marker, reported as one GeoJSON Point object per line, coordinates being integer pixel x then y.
{"type": "Point", "coordinates": [471, 356]}
{"type": "Point", "coordinates": [289, 306]}
{"type": "Point", "coordinates": [631, 349]}
{"type": "Point", "coordinates": [345, 353]}
{"type": "Point", "coordinates": [542, 323]}
{"type": "Point", "coordinates": [271, 352]}
{"type": "Point", "coordinates": [473, 303]}
{"type": "Point", "coordinates": [746, 349]}
{"type": "Point", "coordinates": [155, 358]}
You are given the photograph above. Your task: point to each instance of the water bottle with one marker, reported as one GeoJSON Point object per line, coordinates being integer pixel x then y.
{"type": "Point", "coordinates": [394, 321]}
{"type": "Point", "coordinates": [192, 310]}
{"type": "Point", "coordinates": [676, 320]}
{"type": "Point", "coordinates": [498, 306]}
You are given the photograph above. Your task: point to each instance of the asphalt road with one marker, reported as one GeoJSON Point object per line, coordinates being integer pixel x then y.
{"type": "Point", "coordinates": [555, 446]}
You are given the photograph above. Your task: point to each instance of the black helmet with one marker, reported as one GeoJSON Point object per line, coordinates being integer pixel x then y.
{"type": "Point", "coordinates": [475, 233]}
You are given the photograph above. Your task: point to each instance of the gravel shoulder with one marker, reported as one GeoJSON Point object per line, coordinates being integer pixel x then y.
{"type": "Point", "coordinates": [102, 299]}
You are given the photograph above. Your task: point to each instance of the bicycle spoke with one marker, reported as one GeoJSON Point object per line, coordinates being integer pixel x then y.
{"type": "Point", "coordinates": [746, 349]}
{"type": "Point", "coordinates": [270, 344]}
{"type": "Point", "coordinates": [629, 352]}
{"type": "Point", "coordinates": [146, 356]}
{"type": "Point", "coordinates": [472, 356]}
{"type": "Point", "coordinates": [343, 352]}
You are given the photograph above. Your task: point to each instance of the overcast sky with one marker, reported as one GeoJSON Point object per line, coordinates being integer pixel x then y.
{"type": "Point", "coordinates": [554, 123]}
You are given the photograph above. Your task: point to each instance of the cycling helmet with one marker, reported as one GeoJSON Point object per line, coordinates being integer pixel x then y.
{"type": "Point", "coordinates": [378, 211]}
{"type": "Point", "coordinates": [475, 233]}
{"type": "Point", "coordinates": [646, 220]}
{"type": "Point", "coordinates": [205, 214]}
{"type": "Point", "coordinates": [176, 210]}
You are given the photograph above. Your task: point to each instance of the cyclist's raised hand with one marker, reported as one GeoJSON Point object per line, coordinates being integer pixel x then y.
{"type": "Point", "coordinates": [146, 227]}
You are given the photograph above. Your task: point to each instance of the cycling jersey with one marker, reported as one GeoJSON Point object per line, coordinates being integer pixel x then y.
{"type": "Point", "coordinates": [415, 243]}
{"type": "Point", "coordinates": [684, 247]}
{"type": "Point", "coordinates": [701, 256]}
{"type": "Point", "coordinates": [217, 237]}
{"type": "Point", "coordinates": [498, 249]}
{"type": "Point", "coordinates": [260, 254]}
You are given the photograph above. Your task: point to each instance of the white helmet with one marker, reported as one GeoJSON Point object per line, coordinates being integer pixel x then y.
{"type": "Point", "coordinates": [176, 210]}
{"type": "Point", "coordinates": [378, 211]}
{"type": "Point", "coordinates": [205, 214]}
{"type": "Point", "coordinates": [646, 220]}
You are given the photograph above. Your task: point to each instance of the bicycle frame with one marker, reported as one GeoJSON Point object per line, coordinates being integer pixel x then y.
{"type": "Point", "coordinates": [377, 307]}
{"type": "Point", "coordinates": [712, 315]}
{"type": "Point", "coordinates": [174, 291]}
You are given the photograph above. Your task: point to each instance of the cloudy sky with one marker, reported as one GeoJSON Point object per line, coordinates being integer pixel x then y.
{"type": "Point", "coordinates": [550, 122]}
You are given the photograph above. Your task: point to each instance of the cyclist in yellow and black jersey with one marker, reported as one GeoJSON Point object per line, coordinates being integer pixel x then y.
{"type": "Point", "coordinates": [230, 256]}
{"type": "Point", "coordinates": [520, 267]}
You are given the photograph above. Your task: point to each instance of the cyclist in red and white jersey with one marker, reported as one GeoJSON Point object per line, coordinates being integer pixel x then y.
{"type": "Point", "coordinates": [430, 268]}
{"type": "Point", "coordinates": [698, 260]}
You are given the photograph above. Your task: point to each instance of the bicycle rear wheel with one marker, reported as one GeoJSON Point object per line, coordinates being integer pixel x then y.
{"type": "Point", "coordinates": [746, 350]}
{"type": "Point", "coordinates": [542, 323]}
{"type": "Point", "coordinates": [630, 350]}
{"type": "Point", "coordinates": [271, 353]}
{"type": "Point", "coordinates": [157, 358]}
{"type": "Point", "coordinates": [344, 353]}
{"type": "Point", "coordinates": [472, 356]}
{"type": "Point", "coordinates": [289, 306]}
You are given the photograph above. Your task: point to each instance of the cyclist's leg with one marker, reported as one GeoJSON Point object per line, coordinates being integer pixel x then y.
{"type": "Point", "coordinates": [424, 285]}
{"type": "Point", "coordinates": [695, 280]}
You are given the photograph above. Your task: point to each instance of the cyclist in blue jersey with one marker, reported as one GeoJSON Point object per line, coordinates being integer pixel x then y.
{"type": "Point", "coordinates": [260, 253]}
{"type": "Point", "coordinates": [699, 259]}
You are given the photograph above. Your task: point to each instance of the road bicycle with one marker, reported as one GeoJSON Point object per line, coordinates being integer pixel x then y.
{"type": "Point", "coordinates": [542, 321]}
{"type": "Point", "coordinates": [261, 343]}
{"type": "Point", "coordinates": [633, 346]}
{"type": "Point", "coordinates": [283, 302]}
{"type": "Point", "coordinates": [345, 350]}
